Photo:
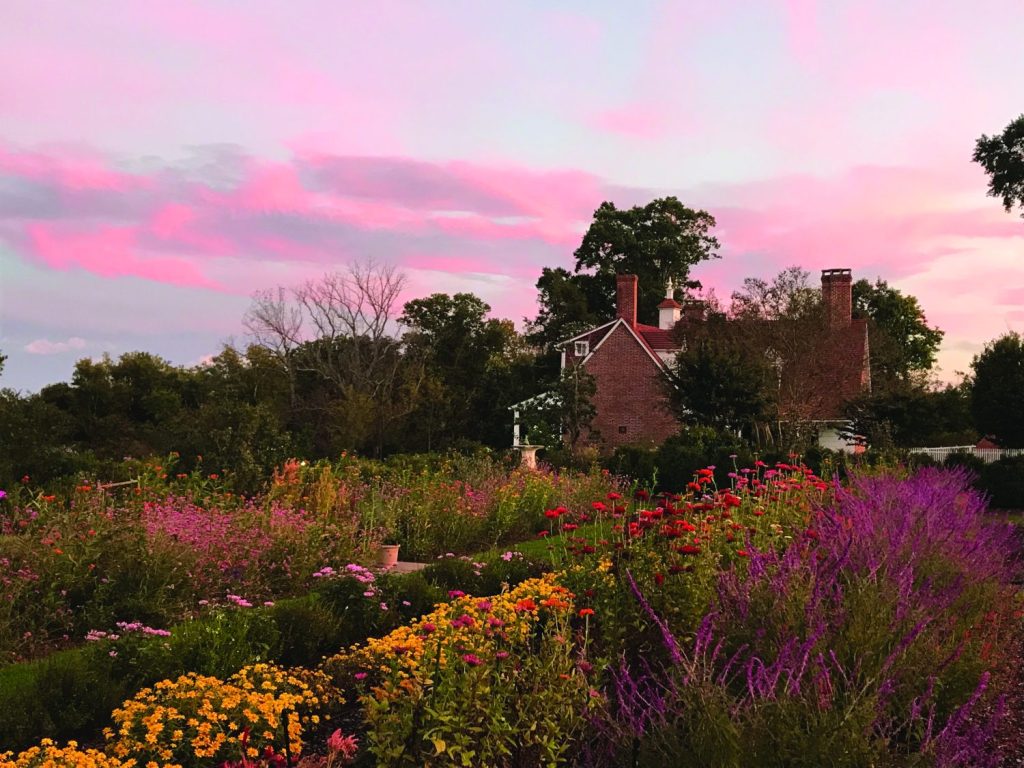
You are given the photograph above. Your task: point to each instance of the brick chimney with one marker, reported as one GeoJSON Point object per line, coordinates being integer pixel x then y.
{"type": "Point", "coordinates": [625, 298]}
{"type": "Point", "coordinates": [837, 296]}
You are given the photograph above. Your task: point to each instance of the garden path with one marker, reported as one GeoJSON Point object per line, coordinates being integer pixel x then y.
{"type": "Point", "coordinates": [404, 567]}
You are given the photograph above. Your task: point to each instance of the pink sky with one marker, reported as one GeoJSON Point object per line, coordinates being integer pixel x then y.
{"type": "Point", "coordinates": [159, 162]}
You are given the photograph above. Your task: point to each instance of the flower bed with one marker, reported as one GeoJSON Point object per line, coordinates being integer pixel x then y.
{"type": "Point", "coordinates": [180, 544]}
{"type": "Point", "coordinates": [781, 621]}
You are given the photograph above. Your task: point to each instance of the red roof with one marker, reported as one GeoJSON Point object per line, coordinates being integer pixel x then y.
{"type": "Point", "coordinates": [657, 338]}
{"type": "Point", "coordinates": [670, 304]}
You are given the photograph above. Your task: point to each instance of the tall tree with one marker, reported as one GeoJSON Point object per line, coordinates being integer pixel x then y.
{"type": "Point", "coordinates": [788, 296]}
{"type": "Point", "coordinates": [341, 329]}
{"type": "Point", "coordinates": [913, 416]}
{"type": "Point", "coordinates": [782, 322]}
{"type": "Point", "coordinates": [658, 242]}
{"type": "Point", "coordinates": [471, 362]}
{"type": "Point", "coordinates": [996, 401]}
{"type": "Point", "coordinates": [902, 344]}
{"type": "Point", "coordinates": [719, 381]}
{"type": "Point", "coordinates": [1002, 157]}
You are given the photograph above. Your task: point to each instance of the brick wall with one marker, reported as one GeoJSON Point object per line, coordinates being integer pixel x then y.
{"type": "Point", "coordinates": [629, 394]}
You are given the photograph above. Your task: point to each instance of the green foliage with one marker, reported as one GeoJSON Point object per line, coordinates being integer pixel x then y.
{"type": "Point", "coordinates": [475, 368]}
{"type": "Point", "coordinates": [563, 416]}
{"type": "Point", "coordinates": [718, 383]}
{"type": "Point", "coordinates": [911, 416]}
{"type": "Point", "coordinates": [996, 401]}
{"type": "Point", "coordinates": [671, 465]}
{"type": "Point", "coordinates": [901, 342]}
{"type": "Point", "coordinates": [658, 242]}
{"type": "Point", "coordinates": [568, 304]}
{"type": "Point", "coordinates": [1002, 157]}
{"type": "Point", "coordinates": [1002, 480]}
{"type": "Point", "coordinates": [307, 630]}
{"type": "Point", "coordinates": [68, 696]}
{"type": "Point", "coordinates": [526, 710]}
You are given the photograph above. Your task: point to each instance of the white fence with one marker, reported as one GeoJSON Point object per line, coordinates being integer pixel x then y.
{"type": "Point", "coordinates": [985, 454]}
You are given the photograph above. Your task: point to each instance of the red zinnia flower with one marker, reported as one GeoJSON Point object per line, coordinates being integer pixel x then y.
{"type": "Point", "coordinates": [586, 612]}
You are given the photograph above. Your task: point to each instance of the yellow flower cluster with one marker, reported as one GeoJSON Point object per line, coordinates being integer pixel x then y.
{"type": "Point", "coordinates": [49, 755]}
{"type": "Point", "coordinates": [473, 625]}
{"type": "Point", "coordinates": [197, 717]}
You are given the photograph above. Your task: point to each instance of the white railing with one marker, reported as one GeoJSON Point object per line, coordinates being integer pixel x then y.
{"type": "Point", "coordinates": [985, 454]}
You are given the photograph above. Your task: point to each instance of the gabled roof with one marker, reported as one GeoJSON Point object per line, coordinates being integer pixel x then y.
{"type": "Point", "coordinates": [658, 338]}
{"type": "Point", "coordinates": [597, 336]}
{"type": "Point", "coordinates": [580, 336]}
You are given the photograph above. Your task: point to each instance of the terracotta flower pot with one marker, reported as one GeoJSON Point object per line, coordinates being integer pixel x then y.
{"type": "Point", "coordinates": [387, 555]}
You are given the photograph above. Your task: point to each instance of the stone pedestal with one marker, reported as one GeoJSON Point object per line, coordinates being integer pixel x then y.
{"type": "Point", "coordinates": [528, 455]}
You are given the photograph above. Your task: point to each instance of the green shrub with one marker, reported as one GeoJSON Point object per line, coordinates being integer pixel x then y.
{"type": "Point", "coordinates": [1003, 481]}
{"type": "Point", "coordinates": [307, 631]}
{"type": "Point", "coordinates": [67, 696]}
{"type": "Point", "coordinates": [966, 460]}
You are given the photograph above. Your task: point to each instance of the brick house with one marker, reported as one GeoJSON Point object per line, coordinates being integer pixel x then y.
{"type": "Point", "coordinates": [629, 362]}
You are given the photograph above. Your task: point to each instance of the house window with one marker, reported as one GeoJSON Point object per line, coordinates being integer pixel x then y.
{"type": "Point", "coordinates": [582, 348]}
{"type": "Point", "coordinates": [622, 429]}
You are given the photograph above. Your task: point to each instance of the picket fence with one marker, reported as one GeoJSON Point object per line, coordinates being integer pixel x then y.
{"type": "Point", "coordinates": [985, 454]}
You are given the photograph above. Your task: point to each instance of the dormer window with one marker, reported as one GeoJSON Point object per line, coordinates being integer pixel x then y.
{"type": "Point", "coordinates": [582, 348]}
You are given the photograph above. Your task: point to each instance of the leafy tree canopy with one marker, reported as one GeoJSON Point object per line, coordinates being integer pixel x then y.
{"type": "Point", "coordinates": [996, 401]}
{"type": "Point", "coordinates": [913, 416]}
{"type": "Point", "coordinates": [658, 242]}
{"type": "Point", "coordinates": [1002, 157]}
{"type": "Point", "coordinates": [902, 343]}
{"type": "Point", "coordinates": [476, 366]}
{"type": "Point", "coordinates": [788, 296]}
{"type": "Point", "coordinates": [717, 381]}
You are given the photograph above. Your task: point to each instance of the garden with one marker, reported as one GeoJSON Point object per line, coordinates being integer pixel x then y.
{"type": "Point", "coordinates": [752, 614]}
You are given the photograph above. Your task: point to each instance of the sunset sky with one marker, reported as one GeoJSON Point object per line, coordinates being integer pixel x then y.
{"type": "Point", "coordinates": [160, 161]}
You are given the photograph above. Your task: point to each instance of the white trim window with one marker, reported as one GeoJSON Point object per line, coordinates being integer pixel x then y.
{"type": "Point", "coordinates": [582, 349]}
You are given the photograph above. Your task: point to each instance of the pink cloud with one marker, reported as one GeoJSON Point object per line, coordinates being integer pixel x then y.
{"type": "Point", "coordinates": [109, 252]}
{"type": "Point", "coordinates": [47, 347]}
{"type": "Point", "coordinates": [257, 223]}
{"type": "Point", "coordinates": [71, 168]}
{"type": "Point", "coordinates": [171, 227]}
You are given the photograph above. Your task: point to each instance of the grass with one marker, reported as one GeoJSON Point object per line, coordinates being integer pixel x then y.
{"type": "Point", "coordinates": [550, 548]}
